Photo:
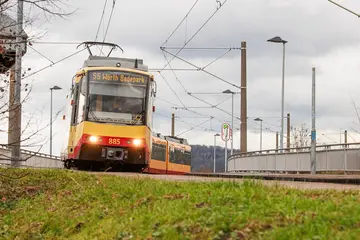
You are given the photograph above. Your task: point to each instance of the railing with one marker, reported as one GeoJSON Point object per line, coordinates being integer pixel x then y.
{"type": "Point", "coordinates": [32, 153]}
{"type": "Point", "coordinates": [335, 157]}
{"type": "Point", "coordinates": [30, 158]}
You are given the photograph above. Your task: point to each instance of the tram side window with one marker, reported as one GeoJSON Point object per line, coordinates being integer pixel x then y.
{"type": "Point", "coordinates": [172, 155]}
{"type": "Point", "coordinates": [182, 157]}
{"type": "Point", "coordinates": [81, 102]}
{"type": "Point", "coordinates": [75, 106]}
{"type": "Point", "coordinates": [158, 152]}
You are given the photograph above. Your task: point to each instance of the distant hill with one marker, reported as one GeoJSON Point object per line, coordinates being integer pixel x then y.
{"type": "Point", "coordinates": [202, 158]}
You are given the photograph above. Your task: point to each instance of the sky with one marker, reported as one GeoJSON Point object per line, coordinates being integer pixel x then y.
{"type": "Point", "coordinates": [319, 35]}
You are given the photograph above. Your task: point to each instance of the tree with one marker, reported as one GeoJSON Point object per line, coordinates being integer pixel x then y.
{"type": "Point", "coordinates": [300, 136]}
{"type": "Point", "coordinates": [33, 9]}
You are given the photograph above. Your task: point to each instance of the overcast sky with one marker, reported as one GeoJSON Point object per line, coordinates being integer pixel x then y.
{"type": "Point", "coordinates": [319, 34]}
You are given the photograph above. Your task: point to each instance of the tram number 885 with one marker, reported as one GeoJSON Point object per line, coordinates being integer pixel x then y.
{"type": "Point", "coordinates": [114, 141]}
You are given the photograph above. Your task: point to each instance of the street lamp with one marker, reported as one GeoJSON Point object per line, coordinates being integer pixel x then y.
{"type": "Point", "coordinates": [279, 40]}
{"type": "Point", "coordinates": [216, 135]}
{"type": "Point", "coordinates": [51, 89]}
{"type": "Point", "coordinates": [260, 120]}
{"type": "Point", "coordinates": [232, 118]}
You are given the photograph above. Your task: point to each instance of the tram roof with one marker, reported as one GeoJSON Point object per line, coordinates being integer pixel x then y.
{"type": "Point", "coordinates": [130, 63]}
{"type": "Point", "coordinates": [177, 140]}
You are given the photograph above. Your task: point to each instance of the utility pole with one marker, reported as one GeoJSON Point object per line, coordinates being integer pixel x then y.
{"type": "Point", "coordinates": [11, 107]}
{"type": "Point", "coordinates": [243, 110]}
{"type": "Point", "coordinates": [173, 125]}
{"type": "Point", "coordinates": [16, 132]}
{"type": "Point", "coordinates": [313, 129]}
{"type": "Point", "coordinates": [288, 132]}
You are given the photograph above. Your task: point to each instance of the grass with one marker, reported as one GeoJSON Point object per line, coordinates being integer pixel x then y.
{"type": "Point", "coordinates": [59, 204]}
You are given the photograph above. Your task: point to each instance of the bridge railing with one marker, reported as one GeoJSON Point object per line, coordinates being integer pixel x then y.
{"type": "Point", "coordinates": [334, 157]}
{"type": "Point", "coordinates": [30, 158]}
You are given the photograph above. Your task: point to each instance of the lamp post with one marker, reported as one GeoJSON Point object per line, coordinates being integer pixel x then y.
{"type": "Point", "coordinates": [232, 118]}
{"type": "Point", "coordinates": [216, 135]}
{"type": "Point", "coordinates": [279, 40]}
{"type": "Point", "coordinates": [51, 89]}
{"type": "Point", "coordinates": [260, 120]}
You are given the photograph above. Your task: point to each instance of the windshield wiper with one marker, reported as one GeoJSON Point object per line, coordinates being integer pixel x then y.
{"type": "Point", "coordinates": [137, 119]}
{"type": "Point", "coordinates": [92, 113]}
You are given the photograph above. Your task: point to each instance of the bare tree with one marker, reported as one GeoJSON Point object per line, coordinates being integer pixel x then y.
{"type": "Point", "coordinates": [300, 136]}
{"type": "Point", "coordinates": [33, 11]}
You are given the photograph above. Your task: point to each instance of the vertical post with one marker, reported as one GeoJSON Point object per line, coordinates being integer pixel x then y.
{"type": "Point", "coordinates": [282, 101]}
{"type": "Point", "coordinates": [16, 132]}
{"type": "Point", "coordinates": [277, 140]}
{"type": "Point", "coordinates": [11, 108]}
{"type": "Point", "coordinates": [51, 121]}
{"type": "Point", "coordinates": [346, 139]}
{"type": "Point", "coordinates": [261, 135]}
{"type": "Point", "coordinates": [214, 153]}
{"type": "Point", "coordinates": [226, 140]}
{"type": "Point", "coordinates": [232, 123]}
{"type": "Point", "coordinates": [173, 125]}
{"type": "Point", "coordinates": [288, 132]}
{"type": "Point", "coordinates": [313, 129]}
{"type": "Point", "coordinates": [243, 117]}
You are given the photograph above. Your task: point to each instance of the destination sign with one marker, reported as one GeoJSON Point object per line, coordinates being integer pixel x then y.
{"type": "Point", "coordinates": [121, 77]}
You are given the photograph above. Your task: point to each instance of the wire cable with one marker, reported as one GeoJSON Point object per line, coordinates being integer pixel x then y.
{"type": "Point", "coordinates": [112, 11]}
{"type": "Point", "coordinates": [194, 35]}
{"type": "Point", "coordinates": [201, 69]}
{"type": "Point", "coordinates": [187, 14]}
{"type": "Point", "coordinates": [194, 127]}
{"type": "Point", "coordinates": [41, 54]}
{"type": "Point", "coordinates": [61, 60]}
{"type": "Point", "coordinates": [101, 19]}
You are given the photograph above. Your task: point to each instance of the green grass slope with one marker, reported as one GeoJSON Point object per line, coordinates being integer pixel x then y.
{"type": "Point", "coordinates": [53, 204]}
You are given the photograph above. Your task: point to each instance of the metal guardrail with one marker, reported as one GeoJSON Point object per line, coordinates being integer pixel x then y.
{"type": "Point", "coordinates": [334, 157]}
{"type": "Point", "coordinates": [32, 153]}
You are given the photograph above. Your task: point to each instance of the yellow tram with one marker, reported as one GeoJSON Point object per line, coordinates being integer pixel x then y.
{"type": "Point", "coordinates": [110, 115]}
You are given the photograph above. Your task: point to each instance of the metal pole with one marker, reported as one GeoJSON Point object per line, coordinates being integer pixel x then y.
{"type": "Point", "coordinates": [260, 135]}
{"type": "Point", "coordinates": [214, 153]}
{"type": "Point", "coordinates": [277, 140]}
{"type": "Point", "coordinates": [232, 124]}
{"type": "Point", "coordinates": [282, 102]}
{"type": "Point", "coordinates": [313, 129]}
{"type": "Point", "coordinates": [288, 132]}
{"type": "Point", "coordinates": [226, 155]}
{"type": "Point", "coordinates": [173, 125]}
{"type": "Point", "coordinates": [15, 150]}
{"type": "Point", "coordinates": [243, 110]}
{"type": "Point", "coordinates": [346, 139]}
{"type": "Point", "coordinates": [51, 122]}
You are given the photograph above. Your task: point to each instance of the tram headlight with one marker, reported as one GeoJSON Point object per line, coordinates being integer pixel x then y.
{"type": "Point", "coordinates": [93, 139]}
{"type": "Point", "coordinates": [137, 142]}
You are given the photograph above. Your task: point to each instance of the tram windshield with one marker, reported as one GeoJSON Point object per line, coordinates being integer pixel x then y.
{"type": "Point", "coordinates": [115, 102]}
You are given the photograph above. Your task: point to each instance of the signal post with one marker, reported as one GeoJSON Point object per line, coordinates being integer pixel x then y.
{"type": "Point", "coordinates": [225, 136]}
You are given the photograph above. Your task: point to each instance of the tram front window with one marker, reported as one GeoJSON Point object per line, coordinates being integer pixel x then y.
{"type": "Point", "coordinates": [117, 103]}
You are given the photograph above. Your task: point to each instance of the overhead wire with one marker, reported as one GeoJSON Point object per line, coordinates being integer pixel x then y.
{"type": "Point", "coordinates": [101, 19]}
{"type": "Point", "coordinates": [194, 35]}
{"type": "Point", "coordinates": [181, 22]}
{"type": "Point", "coordinates": [111, 13]}
{"type": "Point", "coordinates": [59, 61]}
{"type": "Point", "coordinates": [201, 69]}
{"type": "Point", "coordinates": [42, 55]}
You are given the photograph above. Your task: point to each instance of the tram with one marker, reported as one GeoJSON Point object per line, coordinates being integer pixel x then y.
{"type": "Point", "coordinates": [111, 106]}
{"type": "Point", "coordinates": [169, 155]}
{"type": "Point", "coordinates": [110, 111]}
